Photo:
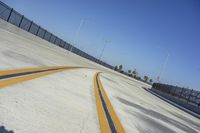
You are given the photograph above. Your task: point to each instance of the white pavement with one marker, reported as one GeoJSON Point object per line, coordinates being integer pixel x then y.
{"type": "Point", "coordinates": [141, 111]}
{"type": "Point", "coordinates": [65, 101]}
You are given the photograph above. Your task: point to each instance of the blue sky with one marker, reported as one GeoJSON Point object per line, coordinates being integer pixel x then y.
{"type": "Point", "coordinates": [142, 32]}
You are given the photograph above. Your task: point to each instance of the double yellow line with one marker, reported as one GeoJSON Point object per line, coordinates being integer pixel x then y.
{"type": "Point", "coordinates": [10, 77]}
{"type": "Point", "coordinates": [109, 122]}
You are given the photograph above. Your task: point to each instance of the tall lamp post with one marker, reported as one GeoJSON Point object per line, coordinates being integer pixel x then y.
{"type": "Point", "coordinates": [77, 32]}
{"type": "Point", "coordinates": [163, 67]}
{"type": "Point", "coordinates": [104, 46]}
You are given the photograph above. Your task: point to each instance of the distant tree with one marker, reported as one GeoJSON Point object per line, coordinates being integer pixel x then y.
{"type": "Point", "coordinates": [129, 72]}
{"type": "Point", "coordinates": [146, 78]}
{"type": "Point", "coordinates": [116, 68]}
{"type": "Point", "coordinates": [120, 68]}
{"type": "Point", "coordinates": [150, 80]}
{"type": "Point", "coordinates": [134, 73]}
{"type": "Point", "coordinates": [138, 78]}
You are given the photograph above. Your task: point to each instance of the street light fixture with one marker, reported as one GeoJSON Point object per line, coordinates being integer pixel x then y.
{"type": "Point", "coordinates": [104, 46]}
{"type": "Point", "coordinates": [163, 67]}
{"type": "Point", "coordinates": [77, 33]}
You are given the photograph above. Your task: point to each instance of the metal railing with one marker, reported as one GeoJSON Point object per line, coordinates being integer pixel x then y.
{"type": "Point", "coordinates": [10, 15]}
{"type": "Point", "coordinates": [188, 95]}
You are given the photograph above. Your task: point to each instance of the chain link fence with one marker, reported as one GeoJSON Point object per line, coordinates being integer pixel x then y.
{"type": "Point", "coordinates": [188, 95]}
{"type": "Point", "coordinates": [10, 15]}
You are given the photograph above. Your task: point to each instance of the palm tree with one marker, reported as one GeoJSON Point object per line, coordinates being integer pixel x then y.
{"type": "Point", "coordinates": [116, 68]}
{"type": "Point", "coordinates": [146, 78]}
{"type": "Point", "coordinates": [120, 68]}
{"type": "Point", "coordinates": [138, 78]}
{"type": "Point", "coordinates": [134, 73]}
{"type": "Point", "coordinates": [129, 72]}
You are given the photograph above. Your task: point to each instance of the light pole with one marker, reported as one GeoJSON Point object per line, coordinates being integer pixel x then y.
{"type": "Point", "coordinates": [77, 33]}
{"type": "Point", "coordinates": [163, 67]}
{"type": "Point", "coordinates": [104, 46]}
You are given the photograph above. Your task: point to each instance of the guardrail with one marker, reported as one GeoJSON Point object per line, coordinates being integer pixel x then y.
{"type": "Point", "coordinates": [188, 95]}
{"type": "Point", "coordinates": [10, 15]}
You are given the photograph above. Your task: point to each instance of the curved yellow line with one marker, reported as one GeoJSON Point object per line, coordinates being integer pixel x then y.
{"type": "Point", "coordinates": [100, 111]}
{"type": "Point", "coordinates": [114, 117]}
{"type": "Point", "coordinates": [11, 81]}
{"type": "Point", "coordinates": [21, 70]}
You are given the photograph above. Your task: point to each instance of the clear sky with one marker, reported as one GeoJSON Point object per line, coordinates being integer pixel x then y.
{"type": "Point", "coordinates": [142, 32]}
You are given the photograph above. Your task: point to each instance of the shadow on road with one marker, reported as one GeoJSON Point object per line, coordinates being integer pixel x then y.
{"type": "Point", "coordinates": [3, 130]}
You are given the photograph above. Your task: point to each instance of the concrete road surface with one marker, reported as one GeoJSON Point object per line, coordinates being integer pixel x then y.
{"type": "Point", "coordinates": [39, 93]}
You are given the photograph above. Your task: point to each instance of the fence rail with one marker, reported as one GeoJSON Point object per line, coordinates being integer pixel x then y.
{"type": "Point", "coordinates": [192, 96]}
{"type": "Point", "coordinates": [10, 15]}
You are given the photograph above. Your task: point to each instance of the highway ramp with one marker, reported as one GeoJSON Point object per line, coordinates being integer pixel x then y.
{"type": "Point", "coordinates": [64, 100]}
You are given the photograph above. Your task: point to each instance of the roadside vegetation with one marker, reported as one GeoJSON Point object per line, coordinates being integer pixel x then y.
{"type": "Point", "coordinates": [134, 74]}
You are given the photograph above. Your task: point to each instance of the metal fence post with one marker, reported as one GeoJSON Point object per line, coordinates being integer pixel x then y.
{"type": "Point", "coordinates": [30, 26]}
{"type": "Point", "coordinates": [189, 96]}
{"type": "Point", "coordinates": [174, 93]}
{"type": "Point", "coordinates": [196, 98]}
{"type": "Point", "coordinates": [21, 21]}
{"type": "Point", "coordinates": [64, 45]}
{"type": "Point", "coordinates": [170, 91]}
{"type": "Point", "coordinates": [60, 43]}
{"type": "Point", "coordinates": [180, 95]}
{"type": "Point", "coordinates": [9, 14]}
{"type": "Point", "coordinates": [37, 31]}
{"type": "Point", "coordinates": [50, 37]}
{"type": "Point", "coordinates": [55, 40]}
{"type": "Point", "coordinates": [44, 34]}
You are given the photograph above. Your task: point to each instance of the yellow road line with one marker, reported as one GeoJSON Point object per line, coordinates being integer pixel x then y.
{"type": "Point", "coordinates": [101, 113]}
{"type": "Point", "coordinates": [6, 72]}
{"type": "Point", "coordinates": [11, 81]}
{"type": "Point", "coordinates": [116, 120]}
